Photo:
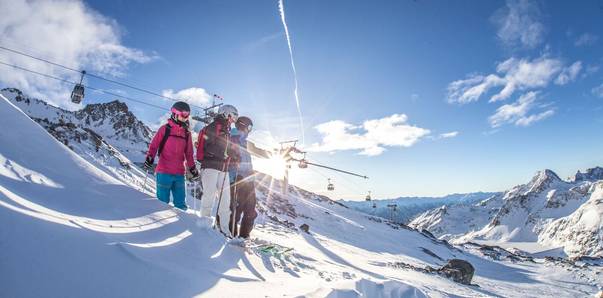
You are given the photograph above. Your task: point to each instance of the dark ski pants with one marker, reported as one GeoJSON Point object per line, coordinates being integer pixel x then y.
{"type": "Point", "coordinates": [173, 184]}
{"type": "Point", "coordinates": [244, 211]}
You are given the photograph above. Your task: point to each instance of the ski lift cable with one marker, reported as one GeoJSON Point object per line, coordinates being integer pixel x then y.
{"type": "Point", "coordinates": [86, 86]}
{"type": "Point", "coordinates": [100, 77]}
{"type": "Point", "coordinates": [331, 168]}
{"type": "Point", "coordinates": [344, 186]}
{"type": "Point", "coordinates": [348, 181]}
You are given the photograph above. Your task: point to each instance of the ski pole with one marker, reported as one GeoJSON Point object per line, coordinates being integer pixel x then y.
{"type": "Point", "coordinates": [146, 176]}
{"type": "Point", "coordinates": [234, 199]}
{"type": "Point", "coordinates": [195, 197]}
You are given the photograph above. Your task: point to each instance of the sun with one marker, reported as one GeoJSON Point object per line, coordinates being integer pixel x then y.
{"type": "Point", "coordinates": [274, 166]}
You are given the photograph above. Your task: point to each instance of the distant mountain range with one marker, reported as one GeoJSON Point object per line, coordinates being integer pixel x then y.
{"type": "Point", "coordinates": [547, 210]}
{"type": "Point", "coordinates": [409, 207]}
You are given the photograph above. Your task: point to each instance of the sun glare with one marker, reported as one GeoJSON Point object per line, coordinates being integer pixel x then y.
{"type": "Point", "coordinates": [274, 166]}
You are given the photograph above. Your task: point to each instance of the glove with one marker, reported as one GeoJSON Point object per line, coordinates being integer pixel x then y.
{"type": "Point", "coordinates": [148, 163]}
{"type": "Point", "coordinates": [194, 173]}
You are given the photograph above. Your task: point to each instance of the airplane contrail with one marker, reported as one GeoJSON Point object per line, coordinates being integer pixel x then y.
{"type": "Point", "coordinates": [281, 8]}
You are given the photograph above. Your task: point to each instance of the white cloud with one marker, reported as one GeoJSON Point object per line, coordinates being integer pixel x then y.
{"type": "Point", "coordinates": [586, 39]}
{"type": "Point", "coordinates": [598, 91]}
{"type": "Point", "coordinates": [194, 96]}
{"type": "Point", "coordinates": [591, 69]}
{"type": "Point", "coordinates": [527, 121]}
{"type": "Point", "coordinates": [512, 75]}
{"type": "Point", "coordinates": [447, 135]}
{"type": "Point", "coordinates": [371, 137]}
{"type": "Point", "coordinates": [67, 32]}
{"type": "Point", "coordinates": [569, 73]}
{"type": "Point", "coordinates": [518, 113]}
{"type": "Point", "coordinates": [519, 24]}
{"type": "Point", "coordinates": [160, 121]}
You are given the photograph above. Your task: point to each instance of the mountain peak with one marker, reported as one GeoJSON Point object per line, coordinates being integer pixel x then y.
{"type": "Point", "coordinates": [549, 174]}
{"type": "Point", "coordinates": [112, 106]}
{"type": "Point", "coordinates": [542, 180]}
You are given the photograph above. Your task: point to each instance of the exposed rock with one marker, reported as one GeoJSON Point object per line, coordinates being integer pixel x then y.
{"type": "Point", "coordinates": [305, 228]}
{"type": "Point", "coordinates": [458, 270]}
{"type": "Point", "coordinates": [592, 174]}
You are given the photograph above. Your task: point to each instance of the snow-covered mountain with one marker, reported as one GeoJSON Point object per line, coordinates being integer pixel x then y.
{"type": "Point", "coordinates": [541, 211]}
{"type": "Point", "coordinates": [69, 229]}
{"type": "Point", "coordinates": [409, 207]}
{"type": "Point", "coordinates": [112, 121]}
{"type": "Point", "coordinates": [107, 134]}
{"type": "Point", "coordinates": [580, 233]}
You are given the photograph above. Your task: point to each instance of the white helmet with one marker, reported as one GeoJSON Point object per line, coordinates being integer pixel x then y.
{"type": "Point", "coordinates": [228, 110]}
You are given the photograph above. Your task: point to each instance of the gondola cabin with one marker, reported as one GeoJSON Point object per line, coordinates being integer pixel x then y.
{"type": "Point", "coordinates": [77, 95]}
{"type": "Point", "coordinates": [303, 164]}
{"type": "Point", "coordinates": [330, 186]}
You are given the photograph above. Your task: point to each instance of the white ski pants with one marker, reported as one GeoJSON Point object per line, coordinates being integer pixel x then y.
{"type": "Point", "coordinates": [213, 182]}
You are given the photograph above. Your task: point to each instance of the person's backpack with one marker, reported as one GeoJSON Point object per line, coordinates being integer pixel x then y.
{"type": "Point", "coordinates": [166, 135]}
{"type": "Point", "coordinates": [201, 140]}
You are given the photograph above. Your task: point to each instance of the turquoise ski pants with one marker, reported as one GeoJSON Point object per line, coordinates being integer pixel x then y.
{"type": "Point", "coordinates": [173, 184]}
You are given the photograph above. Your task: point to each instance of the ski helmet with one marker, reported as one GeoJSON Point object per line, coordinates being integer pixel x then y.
{"type": "Point", "coordinates": [244, 123]}
{"type": "Point", "coordinates": [228, 110]}
{"type": "Point", "coordinates": [181, 108]}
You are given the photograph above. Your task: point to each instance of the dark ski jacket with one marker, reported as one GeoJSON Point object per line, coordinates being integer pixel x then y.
{"type": "Point", "coordinates": [213, 145]}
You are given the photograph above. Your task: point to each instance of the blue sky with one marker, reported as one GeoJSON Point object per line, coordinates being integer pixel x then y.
{"type": "Point", "coordinates": [516, 86]}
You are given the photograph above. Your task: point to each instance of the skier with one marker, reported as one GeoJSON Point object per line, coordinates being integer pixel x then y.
{"type": "Point", "coordinates": [213, 153]}
{"type": "Point", "coordinates": [174, 146]}
{"type": "Point", "coordinates": [242, 179]}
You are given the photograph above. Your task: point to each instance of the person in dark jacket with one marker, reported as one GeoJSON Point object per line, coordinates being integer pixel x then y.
{"type": "Point", "coordinates": [173, 143]}
{"type": "Point", "coordinates": [214, 153]}
{"type": "Point", "coordinates": [242, 179]}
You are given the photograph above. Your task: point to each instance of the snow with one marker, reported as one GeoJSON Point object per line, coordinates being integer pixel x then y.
{"type": "Point", "coordinates": [409, 207]}
{"type": "Point", "coordinates": [70, 229]}
{"type": "Point", "coordinates": [548, 212]}
{"type": "Point", "coordinates": [95, 142]}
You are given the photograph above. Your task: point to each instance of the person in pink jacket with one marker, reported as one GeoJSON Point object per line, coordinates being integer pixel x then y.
{"type": "Point", "coordinates": [174, 146]}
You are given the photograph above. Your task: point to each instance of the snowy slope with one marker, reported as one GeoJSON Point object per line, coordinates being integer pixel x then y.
{"type": "Point", "coordinates": [68, 229]}
{"type": "Point", "coordinates": [520, 215]}
{"type": "Point", "coordinates": [99, 133]}
{"type": "Point", "coordinates": [410, 207]}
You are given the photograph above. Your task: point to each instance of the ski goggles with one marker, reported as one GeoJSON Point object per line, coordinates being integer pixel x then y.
{"type": "Point", "coordinates": [183, 114]}
{"type": "Point", "coordinates": [245, 127]}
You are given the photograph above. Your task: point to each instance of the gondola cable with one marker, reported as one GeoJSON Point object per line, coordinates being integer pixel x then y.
{"type": "Point", "coordinates": [97, 76]}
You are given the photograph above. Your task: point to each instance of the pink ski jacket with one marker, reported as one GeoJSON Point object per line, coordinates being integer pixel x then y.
{"type": "Point", "coordinates": [177, 149]}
